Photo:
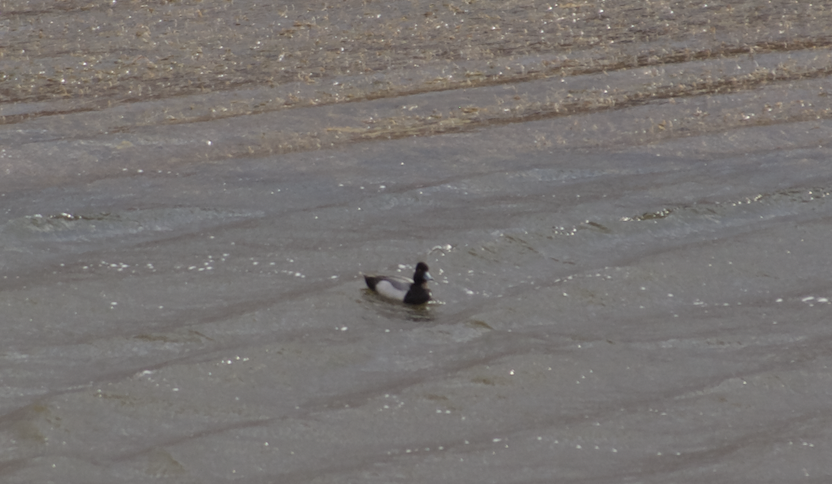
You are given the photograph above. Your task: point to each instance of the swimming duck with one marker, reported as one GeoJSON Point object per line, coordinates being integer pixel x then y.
{"type": "Point", "coordinates": [401, 288]}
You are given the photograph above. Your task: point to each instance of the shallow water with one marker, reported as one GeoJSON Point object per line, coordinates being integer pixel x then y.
{"type": "Point", "coordinates": [630, 292]}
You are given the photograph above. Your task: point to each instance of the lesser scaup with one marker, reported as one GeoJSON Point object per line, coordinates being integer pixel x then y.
{"type": "Point", "coordinates": [401, 288]}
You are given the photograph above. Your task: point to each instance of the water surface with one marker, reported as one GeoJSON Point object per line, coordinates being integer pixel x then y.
{"type": "Point", "coordinates": [628, 228]}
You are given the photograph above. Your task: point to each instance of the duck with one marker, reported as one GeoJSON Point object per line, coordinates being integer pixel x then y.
{"type": "Point", "coordinates": [401, 288]}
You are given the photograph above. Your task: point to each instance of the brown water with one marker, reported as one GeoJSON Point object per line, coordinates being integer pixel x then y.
{"type": "Point", "coordinates": [626, 209]}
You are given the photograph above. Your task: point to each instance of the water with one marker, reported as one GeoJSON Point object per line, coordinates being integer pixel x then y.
{"type": "Point", "coordinates": [630, 293]}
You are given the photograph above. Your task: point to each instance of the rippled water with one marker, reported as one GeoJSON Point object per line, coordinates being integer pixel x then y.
{"type": "Point", "coordinates": [614, 302]}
